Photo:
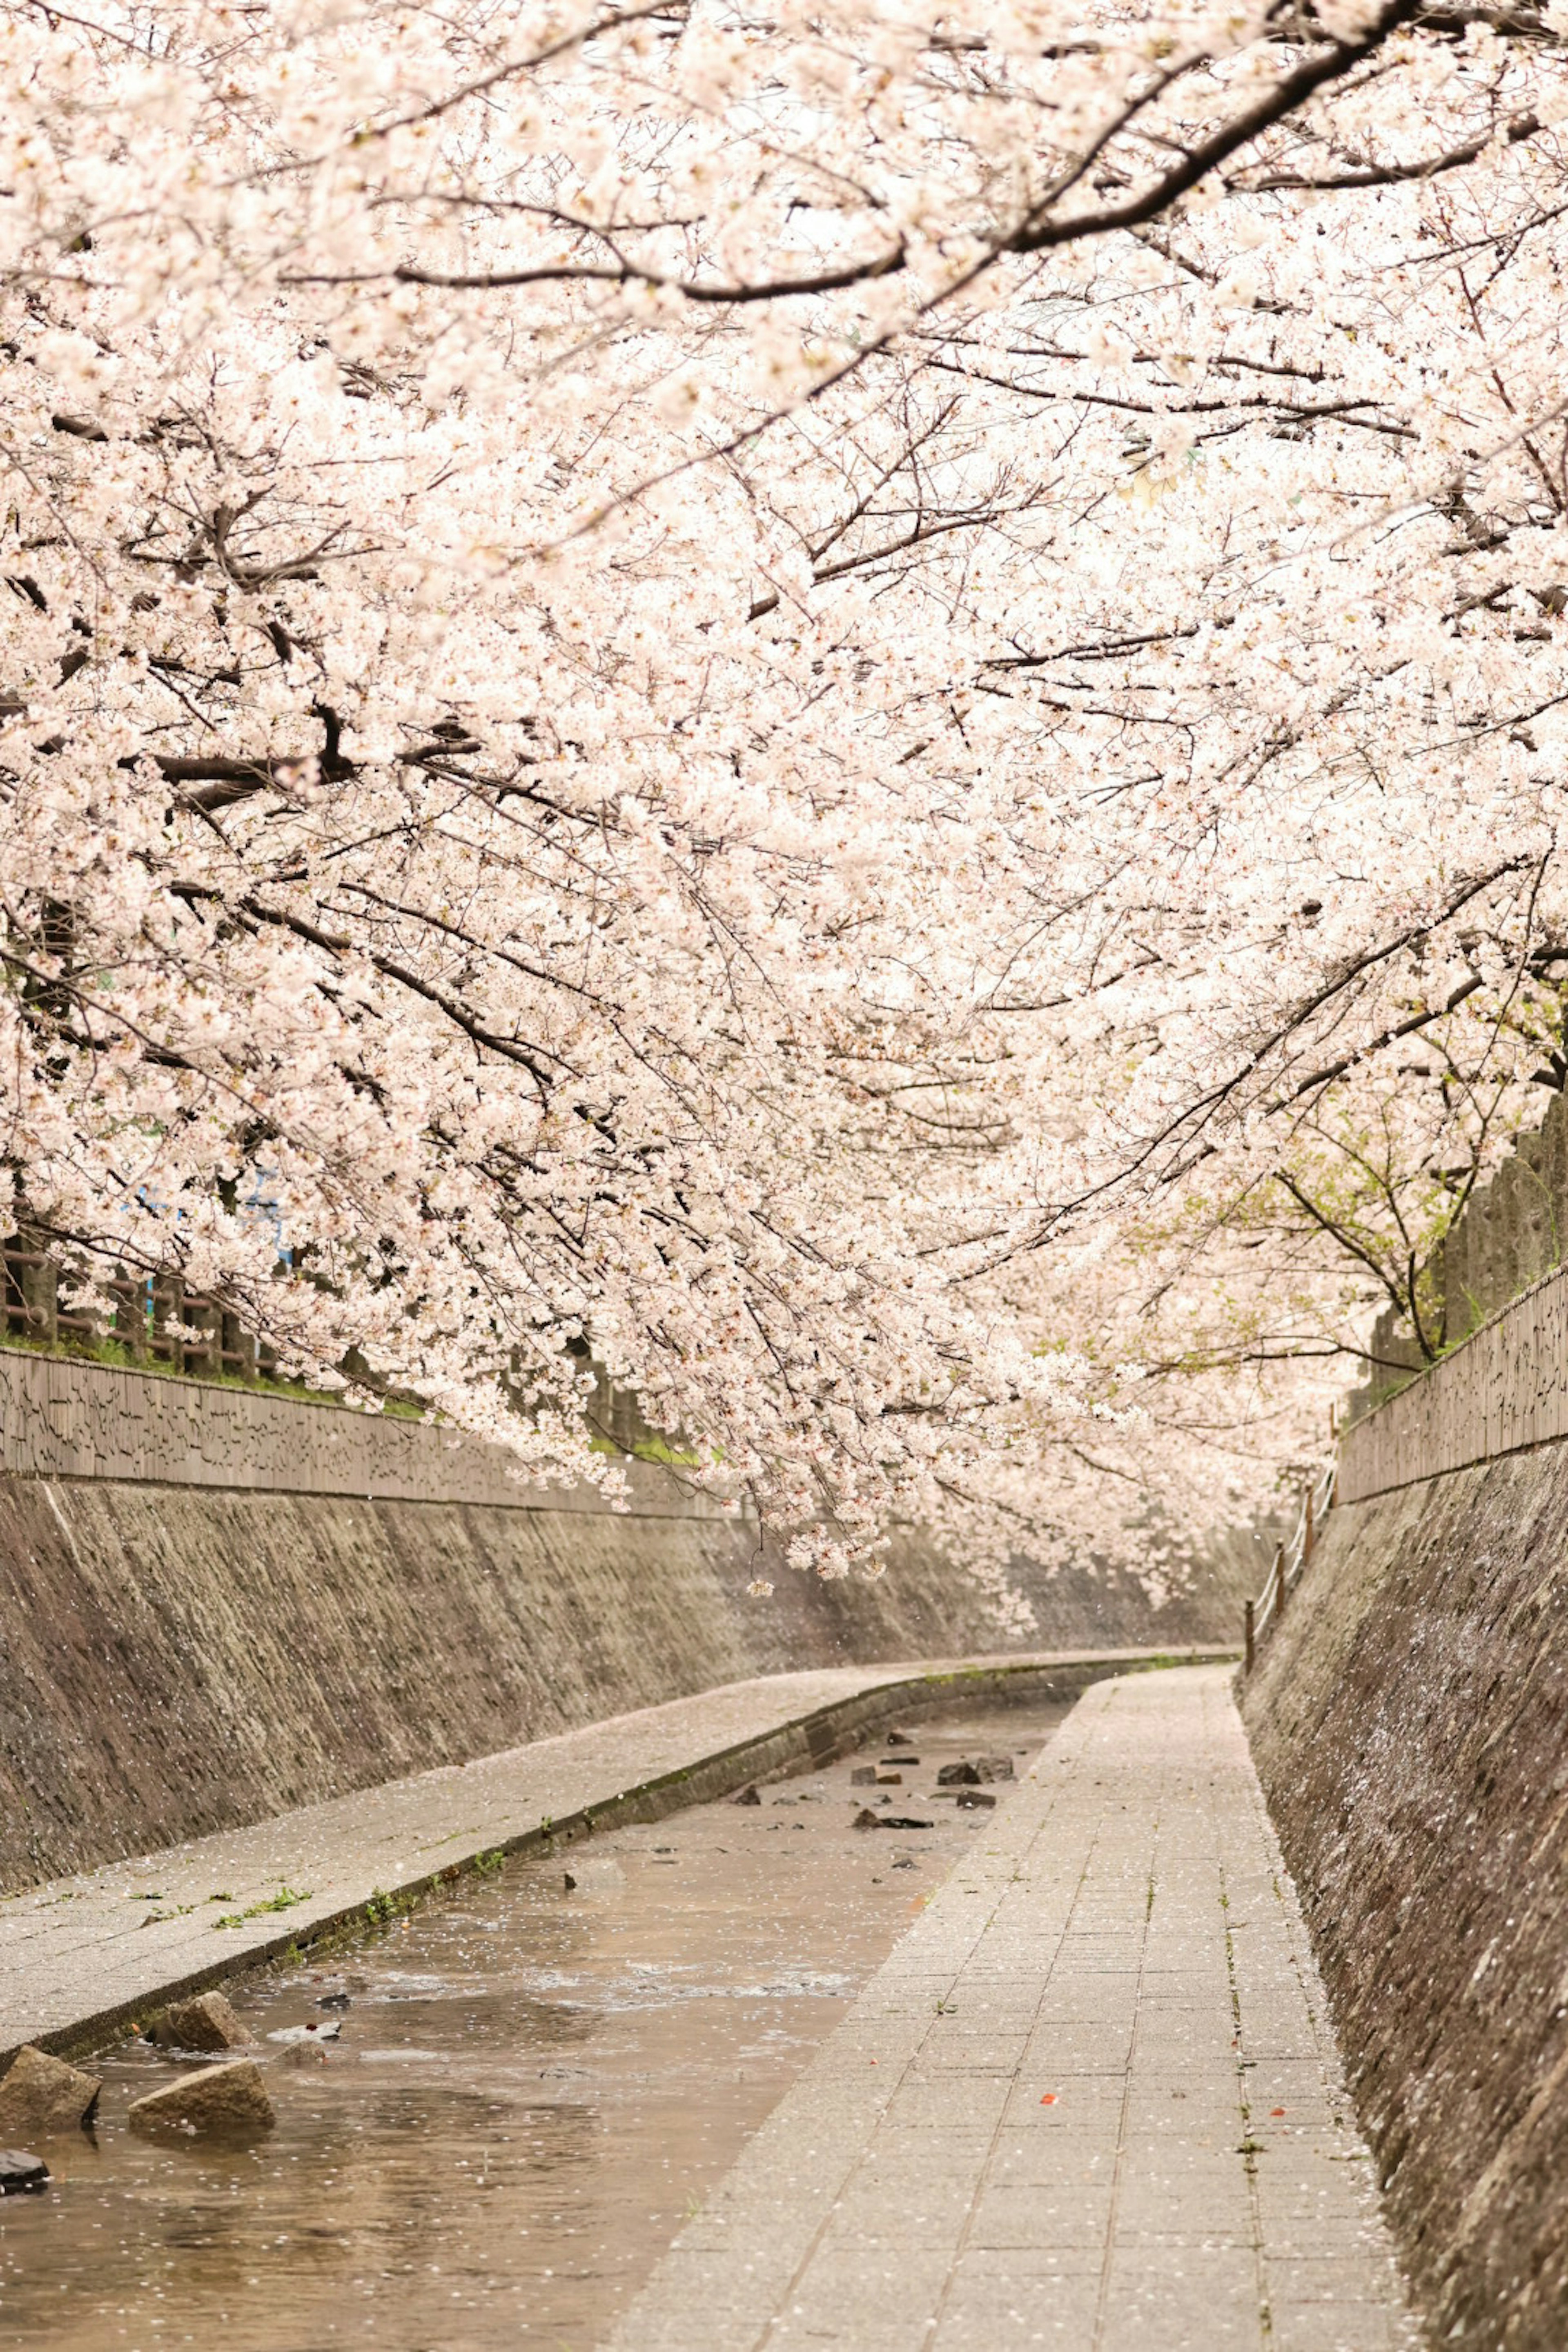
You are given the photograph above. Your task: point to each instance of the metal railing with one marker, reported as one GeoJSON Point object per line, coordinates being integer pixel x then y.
{"type": "Point", "coordinates": [1290, 1558]}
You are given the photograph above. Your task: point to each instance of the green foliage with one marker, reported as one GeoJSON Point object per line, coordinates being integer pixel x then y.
{"type": "Point", "coordinates": [284, 1900]}
{"type": "Point", "coordinates": [118, 1358]}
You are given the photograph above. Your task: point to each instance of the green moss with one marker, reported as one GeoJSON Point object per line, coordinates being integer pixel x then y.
{"type": "Point", "coordinates": [117, 1357]}
{"type": "Point", "coordinates": [647, 1449]}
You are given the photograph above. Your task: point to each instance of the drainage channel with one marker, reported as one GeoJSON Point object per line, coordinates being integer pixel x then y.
{"type": "Point", "coordinates": [532, 2086]}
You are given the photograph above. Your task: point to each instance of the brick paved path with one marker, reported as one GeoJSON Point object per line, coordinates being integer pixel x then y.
{"type": "Point", "coordinates": [1091, 2100]}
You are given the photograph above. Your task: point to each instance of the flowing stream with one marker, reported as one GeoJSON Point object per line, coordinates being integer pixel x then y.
{"type": "Point", "coordinates": [531, 2087]}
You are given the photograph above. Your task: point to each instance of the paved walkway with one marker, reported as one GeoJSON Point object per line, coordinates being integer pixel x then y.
{"type": "Point", "coordinates": [1091, 2100]}
{"type": "Point", "coordinates": [84, 1952]}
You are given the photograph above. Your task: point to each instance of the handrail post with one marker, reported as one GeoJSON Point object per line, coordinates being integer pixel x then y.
{"type": "Point", "coordinates": [1279, 1581]}
{"type": "Point", "coordinates": [1251, 1642]}
{"type": "Point", "coordinates": [1307, 1531]}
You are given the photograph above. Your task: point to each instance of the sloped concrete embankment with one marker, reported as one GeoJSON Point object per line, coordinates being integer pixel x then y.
{"type": "Point", "coordinates": [1409, 1721]}
{"type": "Point", "coordinates": [216, 1605]}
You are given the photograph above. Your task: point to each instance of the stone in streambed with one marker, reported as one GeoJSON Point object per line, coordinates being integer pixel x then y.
{"type": "Point", "coordinates": [969, 1774]}
{"type": "Point", "coordinates": [205, 2022]}
{"type": "Point", "coordinates": [21, 2172]}
{"type": "Point", "coordinates": [228, 2101]}
{"type": "Point", "coordinates": [42, 2094]}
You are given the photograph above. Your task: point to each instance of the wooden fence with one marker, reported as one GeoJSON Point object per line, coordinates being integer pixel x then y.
{"type": "Point", "coordinates": [154, 1319]}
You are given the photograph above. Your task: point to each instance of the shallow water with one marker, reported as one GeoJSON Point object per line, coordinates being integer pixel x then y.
{"type": "Point", "coordinates": [532, 2088]}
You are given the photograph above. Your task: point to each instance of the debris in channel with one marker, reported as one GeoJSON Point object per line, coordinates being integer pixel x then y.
{"type": "Point", "coordinates": [225, 2101]}
{"type": "Point", "coordinates": [42, 2094]}
{"type": "Point", "coordinates": [207, 2022]}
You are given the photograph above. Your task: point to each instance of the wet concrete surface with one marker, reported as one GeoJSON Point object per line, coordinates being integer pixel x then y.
{"type": "Point", "coordinates": [532, 2088]}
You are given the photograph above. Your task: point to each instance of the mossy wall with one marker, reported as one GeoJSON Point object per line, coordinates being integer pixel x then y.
{"type": "Point", "coordinates": [1409, 1719]}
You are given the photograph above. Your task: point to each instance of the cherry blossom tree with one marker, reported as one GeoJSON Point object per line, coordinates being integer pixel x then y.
{"type": "Point", "coordinates": [856, 710]}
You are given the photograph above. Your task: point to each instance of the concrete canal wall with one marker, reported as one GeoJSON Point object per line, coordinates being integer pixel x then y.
{"type": "Point", "coordinates": [217, 1603]}
{"type": "Point", "coordinates": [1409, 1719]}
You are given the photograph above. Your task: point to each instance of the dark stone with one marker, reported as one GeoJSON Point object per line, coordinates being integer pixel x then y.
{"type": "Point", "coordinates": [21, 2174]}
{"type": "Point", "coordinates": [903, 1821]}
{"type": "Point", "coordinates": [973, 1797]}
{"type": "Point", "coordinates": [749, 1796]}
{"type": "Point", "coordinates": [867, 1819]}
{"type": "Point", "coordinates": [970, 1773]}
{"type": "Point", "coordinates": [863, 1777]}
{"type": "Point", "coordinates": [335, 2000]}
{"type": "Point", "coordinates": [888, 1761]}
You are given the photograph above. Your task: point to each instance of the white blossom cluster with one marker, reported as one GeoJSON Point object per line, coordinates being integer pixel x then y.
{"type": "Point", "coordinates": [857, 708]}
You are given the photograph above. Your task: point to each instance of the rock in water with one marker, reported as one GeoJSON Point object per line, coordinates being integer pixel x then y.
{"type": "Point", "coordinates": [20, 2172]}
{"type": "Point", "coordinates": [995, 1767]}
{"type": "Point", "coordinates": [867, 1819]}
{"type": "Point", "coordinates": [304, 2054]}
{"type": "Point", "coordinates": [229, 2100]}
{"type": "Point", "coordinates": [958, 1776]}
{"type": "Point", "coordinates": [749, 1796]}
{"type": "Point", "coordinates": [597, 1875]}
{"type": "Point", "coordinates": [974, 1797]}
{"type": "Point", "coordinates": [863, 1776]}
{"type": "Point", "coordinates": [206, 2023]}
{"type": "Point", "coordinates": [42, 2094]}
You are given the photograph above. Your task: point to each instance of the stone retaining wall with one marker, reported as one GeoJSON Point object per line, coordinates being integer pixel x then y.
{"type": "Point", "coordinates": [1407, 1719]}
{"type": "Point", "coordinates": [65, 1418]}
{"type": "Point", "coordinates": [1504, 1388]}
{"type": "Point", "coordinates": [217, 1603]}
